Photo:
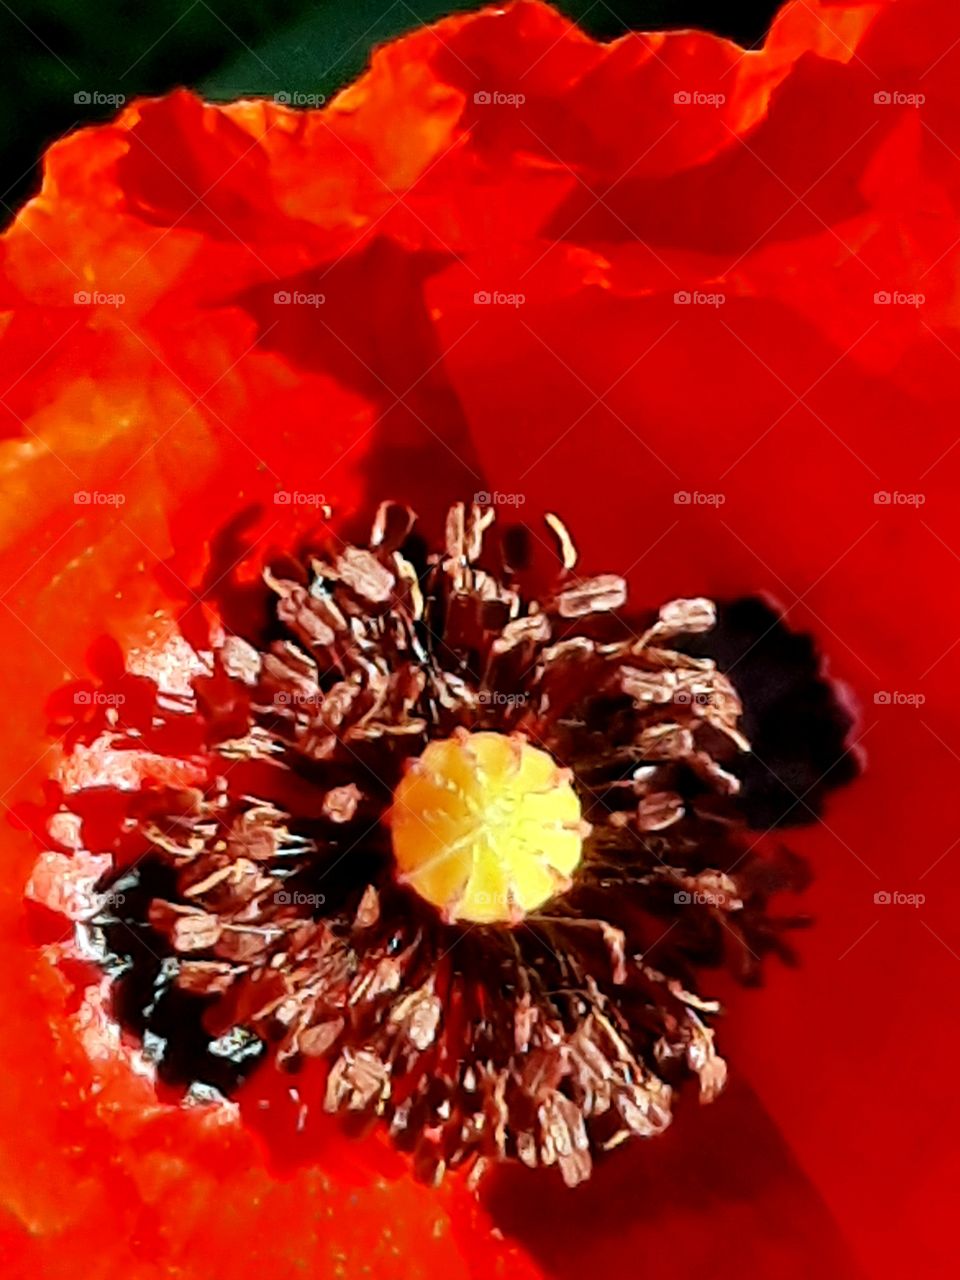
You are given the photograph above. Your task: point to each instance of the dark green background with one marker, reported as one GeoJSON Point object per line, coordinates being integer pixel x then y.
{"type": "Point", "coordinates": [51, 49]}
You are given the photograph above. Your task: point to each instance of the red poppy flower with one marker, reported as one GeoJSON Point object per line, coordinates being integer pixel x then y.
{"type": "Point", "coordinates": [698, 301]}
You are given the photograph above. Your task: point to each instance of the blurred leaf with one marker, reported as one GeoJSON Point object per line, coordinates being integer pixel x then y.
{"type": "Point", "coordinates": [55, 50]}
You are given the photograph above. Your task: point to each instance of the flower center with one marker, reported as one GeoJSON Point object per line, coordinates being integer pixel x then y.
{"type": "Point", "coordinates": [240, 892]}
{"type": "Point", "coordinates": [486, 827]}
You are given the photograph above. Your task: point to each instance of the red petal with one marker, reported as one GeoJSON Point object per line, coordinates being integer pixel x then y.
{"type": "Point", "coordinates": [799, 197]}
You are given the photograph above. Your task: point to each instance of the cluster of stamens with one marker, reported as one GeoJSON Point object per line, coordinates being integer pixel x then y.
{"type": "Point", "coordinates": [482, 915]}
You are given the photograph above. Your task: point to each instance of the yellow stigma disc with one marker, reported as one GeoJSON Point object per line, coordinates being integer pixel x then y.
{"type": "Point", "coordinates": [486, 827]}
